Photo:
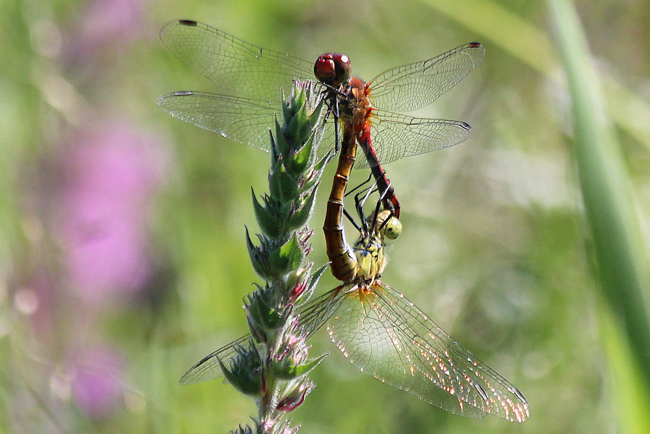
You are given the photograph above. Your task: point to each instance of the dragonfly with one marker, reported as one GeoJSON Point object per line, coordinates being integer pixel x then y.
{"type": "Point", "coordinates": [255, 75]}
{"type": "Point", "coordinates": [384, 334]}
{"type": "Point", "coordinates": [380, 331]}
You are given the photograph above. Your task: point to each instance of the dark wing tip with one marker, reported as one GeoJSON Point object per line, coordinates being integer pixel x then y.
{"type": "Point", "coordinates": [184, 380]}
{"type": "Point", "coordinates": [481, 391]}
{"type": "Point", "coordinates": [465, 126]}
{"type": "Point", "coordinates": [163, 100]}
{"type": "Point", "coordinates": [475, 45]}
{"type": "Point", "coordinates": [519, 395]}
{"type": "Point", "coordinates": [190, 23]}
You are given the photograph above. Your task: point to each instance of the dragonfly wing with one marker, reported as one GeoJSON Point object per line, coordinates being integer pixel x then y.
{"type": "Point", "coordinates": [242, 120]}
{"type": "Point", "coordinates": [387, 336]}
{"type": "Point", "coordinates": [412, 87]}
{"type": "Point", "coordinates": [315, 313]}
{"type": "Point", "coordinates": [395, 136]}
{"type": "Point", "coordinates": [233, 64]}
{"type": "Point", "coordinates": [313, 316]}
{"type": "Point", "coordinates": [208, 368]}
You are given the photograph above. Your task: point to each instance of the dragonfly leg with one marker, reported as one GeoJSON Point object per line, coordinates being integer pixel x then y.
{"type": "Point", "coordinates": [359, 203]}
{"type": "Point", "coordinates": [334, 110]}
{"type": "Point", "coordinates": [345, 212]}
{"type": "Point", "coordinates": [379, 202]}
{"type": "Point", "coordinates": [360, 185]}
{"type": "Point", "coordinates": [349, 217]}
{"type": "Point", "coordinates": [333, 104]}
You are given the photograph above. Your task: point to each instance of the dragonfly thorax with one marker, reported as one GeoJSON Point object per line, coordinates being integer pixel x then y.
{"type": "Point", "coordinates": [369, 248]}
{"type": "Point", "coordinates": [370, 257]}
{"type": "Point", "coordinates": [354, 105]}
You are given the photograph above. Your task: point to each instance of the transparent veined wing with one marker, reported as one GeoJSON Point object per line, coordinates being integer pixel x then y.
{"type": "Point", "coordinates": [242, 120]}
{"type": "Point", "coordinates": [313, 316]}
{"type": "Point", "coordinates": [395, 136]}
{"type": "Point", "coordinates": [232, 64]}
{"type": "Point", "coordinates": [417, 85]}
{"type": "Point", "coordinates": [208, 367]}
{"type": "Point", "coordinates": [385, 335]}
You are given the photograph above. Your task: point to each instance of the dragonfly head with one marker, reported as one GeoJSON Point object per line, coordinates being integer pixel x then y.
{"type": "Point", "coordinates": [388, 225]}
{"type": "Point", "coordinates": [332, 69]}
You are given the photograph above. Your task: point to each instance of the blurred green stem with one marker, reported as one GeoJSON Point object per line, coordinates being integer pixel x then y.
{"type": "Point", "coordinates": [620, 254]}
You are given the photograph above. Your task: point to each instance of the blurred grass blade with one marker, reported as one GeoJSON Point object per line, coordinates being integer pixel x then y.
{"type": "Point", "coordinates": [496, 22]}
{"type": "Point", "coordinates": [620, 254]}
{"type": "Point", "coordinates": [630, 393]}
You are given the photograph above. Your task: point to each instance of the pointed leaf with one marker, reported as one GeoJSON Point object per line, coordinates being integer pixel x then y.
{"type": "Point", "coordinates": [257, 257]}
{"type": "Point", "coordinates": [300, 159]}
{"type": "Point", "coordinates": [270, 225]}
{"type": "Point", "coordinates": [314, 118]}
{"type": "Point", "coordinates": [275, 152]}
{"type": "Point", "coordinates": [287, 114]}
{"type": "Point", "coordinates": [263, 318]}
{"type": "Point", "coordinates": [283, 185]}
{"type": "Point", "coordinates": [299, 128]}
{"type": "Point", "coordinates": [313, 282]}
{"type": "Point", "coordinates": [283, 145]}
{"type": "Point", "coordinates": [300, 99]}
{"type": "Point", "coordinates": [293, 372]}
{"type": "Point", "coordinates": [274, 179]}
{"type": "Point", "coordinates": [287, 257]}
{"type": "Point", "coordinates": [245, 374]}
{"type": "Point", "coordinates": [301, 215]}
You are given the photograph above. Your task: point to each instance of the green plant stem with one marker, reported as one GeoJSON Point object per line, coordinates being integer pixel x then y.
{"type": "Point", "coordinates": [620, 255]}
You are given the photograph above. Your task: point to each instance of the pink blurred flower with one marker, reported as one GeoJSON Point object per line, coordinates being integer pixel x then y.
{"type": "Point", "coordinates": [112, 171]}
{"type": "Point", "coordinates": [107, 24]}
{"type": "Point", "coordinates": [97, 385]}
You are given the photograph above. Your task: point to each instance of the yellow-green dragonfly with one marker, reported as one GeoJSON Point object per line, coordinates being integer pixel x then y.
{"type": "Point", "coordinates": [380, 331]}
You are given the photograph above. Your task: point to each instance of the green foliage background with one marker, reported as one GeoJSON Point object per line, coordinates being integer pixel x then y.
{"type": "Point", "coordinates": [502, 241]}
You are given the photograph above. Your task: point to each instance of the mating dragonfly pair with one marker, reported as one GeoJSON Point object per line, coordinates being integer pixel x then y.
{"type": "Point", "coordinates": [377, 328]}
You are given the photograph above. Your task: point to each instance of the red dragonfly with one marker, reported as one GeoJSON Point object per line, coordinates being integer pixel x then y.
{"type": "Point", "coordinates": [256, 76]}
